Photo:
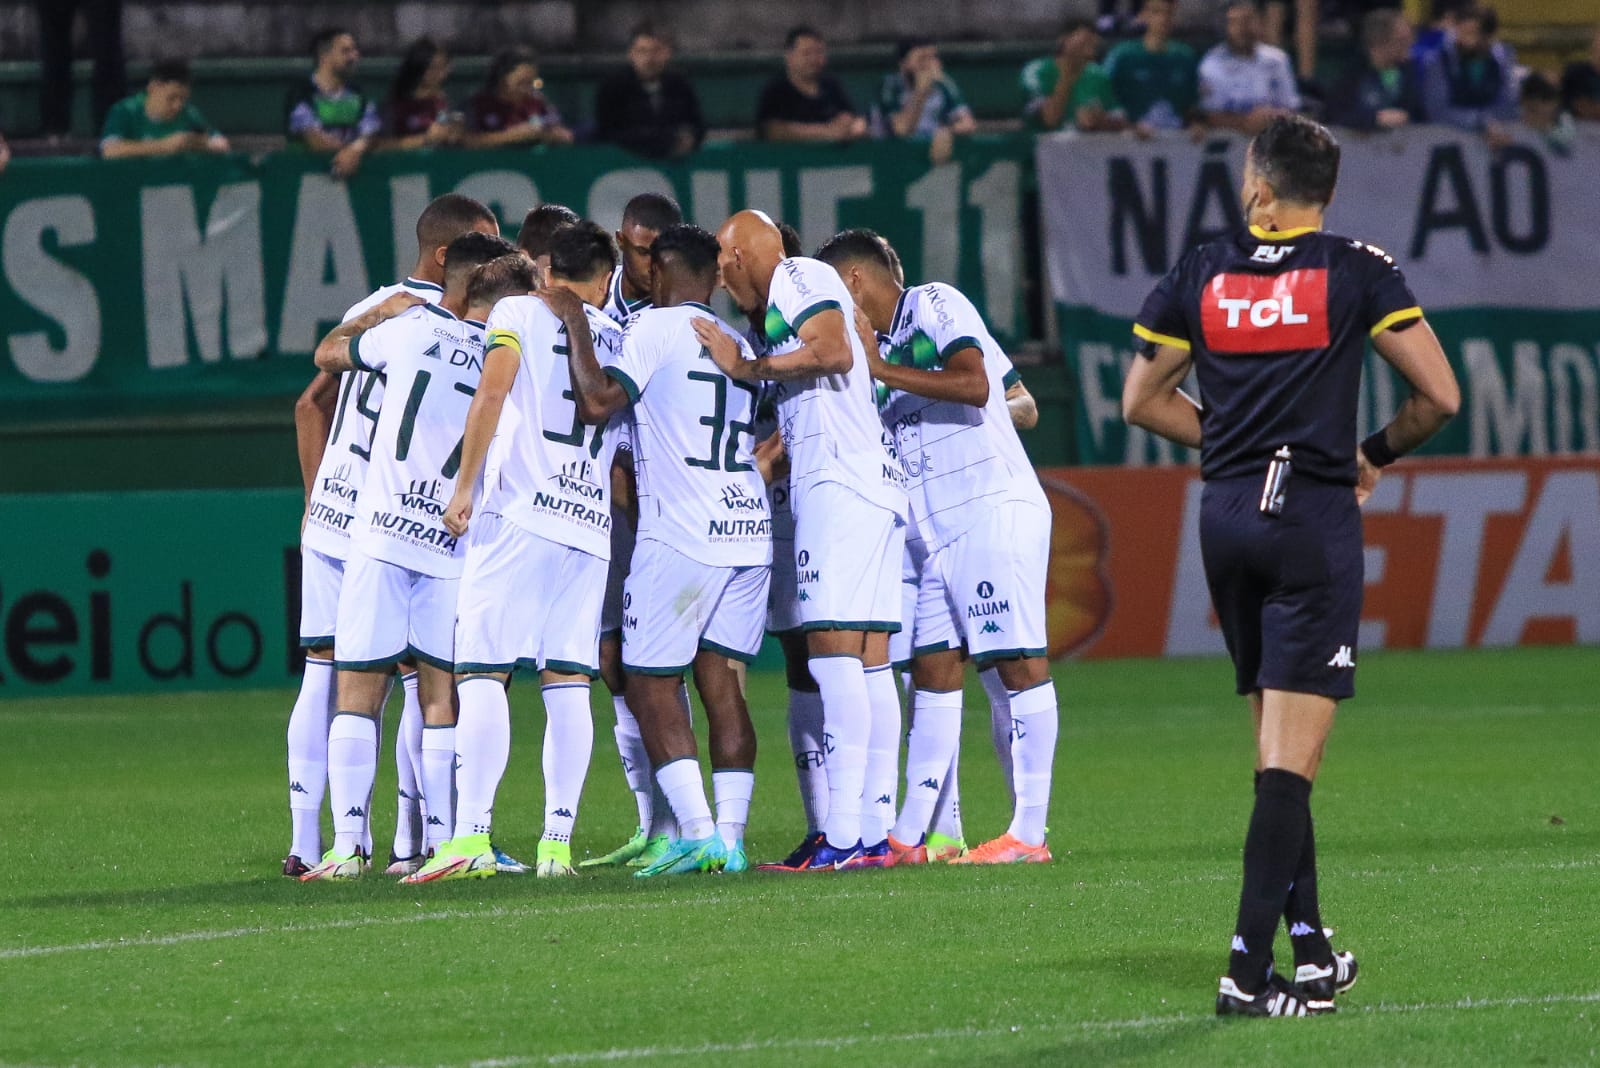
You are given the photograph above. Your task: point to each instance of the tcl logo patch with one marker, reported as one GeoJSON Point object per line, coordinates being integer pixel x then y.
{"type": "Point", "coordinates": [1266, 312]}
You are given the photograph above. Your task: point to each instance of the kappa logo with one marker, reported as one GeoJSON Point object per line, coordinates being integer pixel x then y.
{"type": "Point", "coordinates": [989, 627]}
{"type": "Point", "coordinates": [1344, 658]}
{"type": "Point", "coordinates": [564, 813]}
{"type": "Point", "coordinates": [802, 596]}
{"type": "Point", "coordinates": [884, 799]}
{"type": "Point", "coordinates": [1285, 312]}
{"type": "Point", "coordinates": [929, 784]}
{"type": "Point", "coordinates": [356, 811]}
{"type": "Point", "coordinates": [296, 788]}
{"type": "Point", "coordinates": [435, 821]}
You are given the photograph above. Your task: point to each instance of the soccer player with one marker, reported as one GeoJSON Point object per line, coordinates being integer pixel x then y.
{"type": "Point", "coordinates": [1274, 322]}
{"type": "Point", "coordinates": [398, 597]}
{"type": "Point", "coordinates": [849, 503]}
{"type": "Point", "coordinates": [984, 524]}
{"type": "Point", "coordinates": [536, 560]}
{"type": "Point", "coordinates": [538, 227]}
{"type": "Point", "coordinates": [696, 595]}
{"type": "Point", "coordinates": [643, 219]}
{"type": "Point", "coordinates": [334, 420]}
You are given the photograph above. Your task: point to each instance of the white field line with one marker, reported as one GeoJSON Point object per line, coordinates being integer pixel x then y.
{"type": "Point", "coordinates": [535, 909]}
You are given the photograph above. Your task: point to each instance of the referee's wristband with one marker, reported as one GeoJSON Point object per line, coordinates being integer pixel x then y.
{"type": "Point", "coordinates": [1377, 450]}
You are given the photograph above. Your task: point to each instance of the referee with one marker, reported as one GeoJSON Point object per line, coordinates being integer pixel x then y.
{"type": "Point", "coordinates": [1274, 321]}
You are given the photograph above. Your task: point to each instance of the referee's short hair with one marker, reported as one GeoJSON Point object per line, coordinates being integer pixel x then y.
{"type": "Point", "coordinates": [1298, 158]}
{"type": "Point", "coordinates": [858, 245]}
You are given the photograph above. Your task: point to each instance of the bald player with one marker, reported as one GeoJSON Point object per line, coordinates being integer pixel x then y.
{"type": "Point", "coordinates": [849, 502]}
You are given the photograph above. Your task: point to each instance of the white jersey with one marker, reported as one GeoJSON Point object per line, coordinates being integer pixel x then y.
{"type": "Point", "coordinates": [766, 424]}
{"type": "Point", "coordinates": [830, 423]}
{"type": "Point", "coordinates": [699, 490]}
{"type": "Point", "coordinates": [959, 460]}
{"type": "Point", "coordinates": [344, 460]}
{"type": "Point", "coordinates": [552, 474]}
{"type": "Point", "coordinates": [619, 308]}
{"type": "Point", "coordinates": [433, 361]}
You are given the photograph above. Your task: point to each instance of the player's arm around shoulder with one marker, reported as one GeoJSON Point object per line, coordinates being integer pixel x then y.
{"type": "Point", "coordinates": [339, 350]}
{"type": "Point", "coordinates": [600, 391]}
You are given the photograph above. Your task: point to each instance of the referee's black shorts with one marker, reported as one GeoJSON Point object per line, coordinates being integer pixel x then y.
{"type": "Point", "coordinates": [1287, 588]}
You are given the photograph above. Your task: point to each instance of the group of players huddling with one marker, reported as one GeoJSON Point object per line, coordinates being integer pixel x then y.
{"type": "Point", "coordinates": [554, 457]}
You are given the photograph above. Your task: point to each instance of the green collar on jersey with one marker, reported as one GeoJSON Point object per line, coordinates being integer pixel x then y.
{"type": "Point", "coordinates": [417, 283]}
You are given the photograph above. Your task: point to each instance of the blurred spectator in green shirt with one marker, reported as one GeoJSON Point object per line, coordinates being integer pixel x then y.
{"type": "Point", "coordinates": [1070, 88]}
{"type": "Point", "coordinates": [920, 102]}
{"type": "Point", "coordinates": [1154, 77]}
{"type": "Point", "coordinates": [159, 121]}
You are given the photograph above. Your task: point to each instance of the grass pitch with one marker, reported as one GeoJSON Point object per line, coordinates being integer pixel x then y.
{"type": "Point", "coordinates": [142, 919]}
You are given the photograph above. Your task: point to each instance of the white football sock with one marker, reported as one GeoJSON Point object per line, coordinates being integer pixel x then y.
{"type": "Point", "coordinates": [308, 759]}
{"type": "Point", "coordinates": [352, 767]}
{"type": "Point", "coordinates": [685, 791]}
{"type": "Point", "coordinates": [377, 745]}
{"type": "Point", "coordinates": [568, 746]}
{"type": "Point", "coordinates": [883, 755]}
{"type": "Point", "coordinates": [635, 760]}
{"type": "Point", "coordinates": [408, 772]}
{"type": "Point", "coordinates": [935, 734]}
{"type": "Point", "coordinates": [438, 782]}
{"type": "Point", "coordinates": [847, 719]}
{"type": "Point", "coordinates": [483, 745]}
{"type": "Point", "coordinates": [732, 788]}
{"type": "Point", "coordinates": [809, 746]}
{"type": "Point", "coordinates": [947, 813]}
{"type": "Point", "coordinates": [1035, 720]}
{"type": "Point", "coordinates": [1000, 724]}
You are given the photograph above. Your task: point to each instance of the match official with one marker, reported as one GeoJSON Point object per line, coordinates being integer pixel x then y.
{"type": "Point", "coordinates": [1274, 322]}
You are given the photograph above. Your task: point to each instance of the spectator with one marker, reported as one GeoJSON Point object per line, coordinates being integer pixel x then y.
{"type": "Point", "coordinates": [1441, 27]}
{"type": "Point", "coordinates": [1154, 76]}
{"type": "Point", "coordinates": [159, 121]}
{"type": "Point", "coordinates": [647, 108]}
{"type": "Point", "coordinates": [805, 102]}
{"type": "Point", "coordinates": [1070, 87]}
{"type": "Point", "coordinates": [5, 154]}
{"type": "Point", "coordinates": [1380, 93]}
{"type": "Point", "coordinates": [330, 113]}
{"type": "Point", "coordinates": [418, 114]}
{"type": "Point", "coordinates": [919, 102]}
{"type": "Point", "coordinates": [103, 23]}
{"type": "Point", "coordinates": [1580, 84]}
{"type": "Point", "coordinates": [1542, 112]}
{"type": "Point", "coordinates": [1245, 84]}
{"type": "Point", "coordinates": [512, 109]}
{"type": "Point", "coordinates": [1471, 83]}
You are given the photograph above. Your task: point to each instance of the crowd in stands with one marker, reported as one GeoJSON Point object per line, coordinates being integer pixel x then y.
{"type": "Point", "coordinates": [1455, 71]}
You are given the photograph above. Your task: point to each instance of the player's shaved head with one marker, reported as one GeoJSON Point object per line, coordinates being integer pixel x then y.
{"type": "Point", "coordinates": [447, 218]}
{"type": "Point", "coordinates": [752, 248]}
{"type": "Point", "coordinates": [683, 266]}
{"type": "Point", "coordinates": [540, 225]}
{"type": "Point", "coordinates": [504, 276]}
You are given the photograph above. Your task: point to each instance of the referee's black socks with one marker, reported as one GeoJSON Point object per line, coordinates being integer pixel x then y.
{"type": "Point", "coordinates": [1302, 913]}
{"type": "Point", "coordinates": [1274, 849]}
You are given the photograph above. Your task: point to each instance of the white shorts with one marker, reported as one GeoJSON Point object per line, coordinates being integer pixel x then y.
{"type": "Point", "coordinates": [622, 536]}
{"type": "Point", "coordinates": [912, 561]}
{"type": "Point", "coordinates": [847, 561]}
{"type": "Point", "coordinates": [527, 602]}
{"type": "Point", "coordinates": [986, 589]}
{"type": "Point", "coordinates": [783, 611]}
{"type": "Point", "coordinates": [675, 606]}
{"type": "Point", "coordinates": [387, 612]}
{"type": "Point", "coordinates": [320, 578]}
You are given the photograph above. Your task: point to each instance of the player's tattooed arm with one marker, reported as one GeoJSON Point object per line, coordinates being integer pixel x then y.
{"type": "Point", "coordinates": [500, 366]}
{"type": "Point", "coordinates": [963, 379]}
{"type": "Point", "coordinates": [824, 350]}
{"type": "Point", "coordinates": [1152, 397]}
{"type": "Point", "coordinates": [333, 351]}
{"type": "Point", "coordinates": [313, 419]}
{"type": "Point", "coordinates": [596, 394]}
{"type": "Point", "coordinates": [1024, 410]}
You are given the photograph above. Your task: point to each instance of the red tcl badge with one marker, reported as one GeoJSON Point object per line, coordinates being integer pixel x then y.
{"type": "Point", "coordinates": [1266, 312]}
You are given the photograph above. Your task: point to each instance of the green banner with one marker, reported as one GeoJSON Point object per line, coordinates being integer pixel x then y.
{"type": "Point", "coordinates": [1498, 247]}
{"type": "Point", "coordinates": [137, 286]}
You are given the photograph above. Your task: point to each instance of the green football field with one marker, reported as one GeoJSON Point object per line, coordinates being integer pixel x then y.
{"type": "Point", "coordinates": [143, 920]}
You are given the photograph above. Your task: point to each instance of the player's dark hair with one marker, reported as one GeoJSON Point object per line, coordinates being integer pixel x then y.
{"type": "Point", "coordinates": [581, 251]}
{"type": "Point", "coordinates": [541, 224]}
{"type": "Point", "coordinates": [1536, 87]}
{"type": "Point", "coordinates": [504, 276]}
{"type": "Point", "coordinates": [795, 33]}
{"type": "Point", "coordinates": [858, 245]}
{"type": "Point", "coordinates": [447, 218]}
{"type": "Point", "coordinates": [414, 64]}
{"type": "Point", "coordinates": [470, 250]}
{"type": "Point", "coordinates": [1298, 158]}
{"type": "Point", "coordinates": [652, 211]}
{"type": "Point", "coordinates": [322, 43]}
{"type": "Point", "coordinates": [504, 62]}
{"type": "Point", "coordinates": [907, 45]}
{"type": "Point", "coordinates": [791, 241]}
{"type": "Point", "coordinates": [170, 70]}
{"type": "Point", "coordinates": [691, 246]}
